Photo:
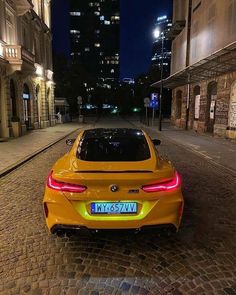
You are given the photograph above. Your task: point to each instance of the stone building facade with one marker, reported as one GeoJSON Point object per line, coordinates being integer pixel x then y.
{"type": "Point", "coordinates": [26, 77]}
{"type": "Point", "coordinates": [203, 66]}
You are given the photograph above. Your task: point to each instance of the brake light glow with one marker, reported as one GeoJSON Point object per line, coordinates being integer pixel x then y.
{"type": "Point", "coordinates": [63, 186]}
{"type": "Point", "coordinates": [172, 184]}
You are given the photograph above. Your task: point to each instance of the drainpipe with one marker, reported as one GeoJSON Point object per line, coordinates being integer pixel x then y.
{"type": "Point", "coordinates": [187, 60]}
{"type": "Point", "coordinates": [187, 103]}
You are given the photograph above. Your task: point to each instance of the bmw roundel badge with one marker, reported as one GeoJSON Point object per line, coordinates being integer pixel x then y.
{"type": "Point", "coordinates": [114, 188]}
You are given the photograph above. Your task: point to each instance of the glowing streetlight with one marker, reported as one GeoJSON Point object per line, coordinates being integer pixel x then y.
{"type": "Point", "coordinates": [156, 33]}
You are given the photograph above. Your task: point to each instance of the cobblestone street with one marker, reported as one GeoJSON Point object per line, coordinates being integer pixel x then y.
{"type": "Point", "coordinates": [199, 259]}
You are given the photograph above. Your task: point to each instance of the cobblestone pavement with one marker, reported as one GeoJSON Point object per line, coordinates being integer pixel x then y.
{"type": "Point", "coordinates": [200, 259]}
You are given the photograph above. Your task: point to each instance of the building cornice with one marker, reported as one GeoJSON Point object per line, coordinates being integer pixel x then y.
{"type": "Point", "coordinates": [22, 6]}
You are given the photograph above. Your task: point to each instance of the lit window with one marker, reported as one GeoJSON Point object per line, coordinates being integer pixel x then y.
{"type": "Point", "coordinates": [107, 22]}
{"type": "Point", "coordinates": [112, 71]}
{"type": "Point", "coordinates": [97, 45]}
{"type": "Point", "coordinates": [101, 53]}
{"type": "Point", "coordinates": [96, 12]}
{"type": "Point", "coordinates": [115, 17]}
{"type": "Point", "coordinates": [75, 13]}
{"type": "Point", "coordinates": [102, 17]}
{"type": "Point", "coordinates": [87, 49]}
{"type": "Point", "coordinates": [91, 4]}
{"type": "Point", "coordinates": [74, 32]}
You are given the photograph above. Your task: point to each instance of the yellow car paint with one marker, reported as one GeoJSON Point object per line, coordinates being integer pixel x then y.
{"type": "Point", "coordinates": [73, 209]}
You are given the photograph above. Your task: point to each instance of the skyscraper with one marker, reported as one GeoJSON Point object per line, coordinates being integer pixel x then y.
{"type": "Point", "coordinates": [163, 25]}
{"type": "Point", "coordinates": [95, 38]}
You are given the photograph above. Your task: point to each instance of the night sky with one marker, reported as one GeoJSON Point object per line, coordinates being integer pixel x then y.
{"type": "Point", "coordinates": [137, 22]}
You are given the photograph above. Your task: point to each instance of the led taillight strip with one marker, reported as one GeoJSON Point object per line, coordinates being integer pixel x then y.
{"type": "Point", "coordinates": [172, 184]}
{"type": "Point", "coordinates": [63, 186]}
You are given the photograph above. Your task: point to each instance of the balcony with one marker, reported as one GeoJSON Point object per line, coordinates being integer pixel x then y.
{"type": "Point", "coordinates": [2, 54]}
{"type": "Point", "coordinates": [176, 29]}
{"type": "Point", "coordinates": [23, 6]}
{"type": "Point", "coordinates": [19, 58]}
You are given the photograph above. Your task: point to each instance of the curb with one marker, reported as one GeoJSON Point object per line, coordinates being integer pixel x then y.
{"type": "Point", "coordinates": [11, 168]}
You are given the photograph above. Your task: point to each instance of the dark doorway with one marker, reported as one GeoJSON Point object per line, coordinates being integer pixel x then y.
{"type": "Point", "coordinates": [211, 106]}
{"type": "Point", "coordinates": [178, 104]}
{"type": "Point", "coordinates": [47, 105]}
{"type": "Point", "coordinates": [27, 107]}
{"type": "Point", "coordinates": [13, 98]}
{"type": "Point", "coordinates": [37, 100]}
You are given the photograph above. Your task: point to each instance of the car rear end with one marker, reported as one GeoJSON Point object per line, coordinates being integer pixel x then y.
{"type": "Point", "coordinates": [94, 194]}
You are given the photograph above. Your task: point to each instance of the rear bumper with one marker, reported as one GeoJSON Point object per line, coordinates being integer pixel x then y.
{"type": "Point", "coordinates": [61, 213]}
{"type": "Point", "coordinates": [59, 228]}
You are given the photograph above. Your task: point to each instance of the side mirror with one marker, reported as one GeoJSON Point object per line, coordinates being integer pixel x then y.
{"type": "Point", "coordinates": [70, 142]}
{"type": "Point", "coordinates": [156, 142]}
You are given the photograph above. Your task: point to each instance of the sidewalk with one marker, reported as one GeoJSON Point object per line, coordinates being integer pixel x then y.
{"type": "Point", "coordinates": [18, 150]}
{"type": "Point", "coordinates": [220, 151]}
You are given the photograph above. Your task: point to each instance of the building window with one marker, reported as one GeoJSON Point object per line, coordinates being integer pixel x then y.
{"type": "Point", "coordinates": [195, 48]}
{"type": "Point", "coordinates": [87, 49]}
{"type": "Point", "coordinates": [231, 17]}
{"type": "Point", "coordinates": [74, 32]}
{"type": "Point", "coordinates": [97, 44]}
{"type": "Point", "coordinates": [107, 22]}
{"type": "Point", "coordinates": [75, 13]}
{"type": "Point", "coordinates": [211, 26]}
{"type": "Point", "coordinates": [10, 27]}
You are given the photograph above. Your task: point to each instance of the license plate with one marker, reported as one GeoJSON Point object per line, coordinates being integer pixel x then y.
{"type": "Point", "coordinates": [114, 208]}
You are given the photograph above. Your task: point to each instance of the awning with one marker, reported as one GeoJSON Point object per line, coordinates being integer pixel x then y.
{"type": "Point", "coordinates": [219, 63]}
{"type": "Point", "coordinates": [61, 102]}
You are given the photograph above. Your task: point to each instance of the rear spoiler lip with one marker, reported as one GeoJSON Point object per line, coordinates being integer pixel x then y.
{"type": "Point", "coordinates": [113, 171]}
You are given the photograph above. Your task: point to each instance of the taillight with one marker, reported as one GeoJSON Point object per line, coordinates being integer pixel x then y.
{"type": "Point", "coordinates": [169, 185]}
{"type": "Point", "coordinates": [63, 186]}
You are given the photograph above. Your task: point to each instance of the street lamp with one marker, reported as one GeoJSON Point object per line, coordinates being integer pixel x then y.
{"type": "Point", "coordinates": [160, 35]}
{"type": "Point", "coordinates": [156, 33]}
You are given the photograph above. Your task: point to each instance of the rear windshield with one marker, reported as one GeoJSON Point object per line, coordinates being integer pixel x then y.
{"type": "Point", "coordinates": [114, 149]}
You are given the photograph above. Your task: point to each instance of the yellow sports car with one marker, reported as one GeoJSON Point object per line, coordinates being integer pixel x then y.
{"type": "Point", "coordinates": [112, 179]}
